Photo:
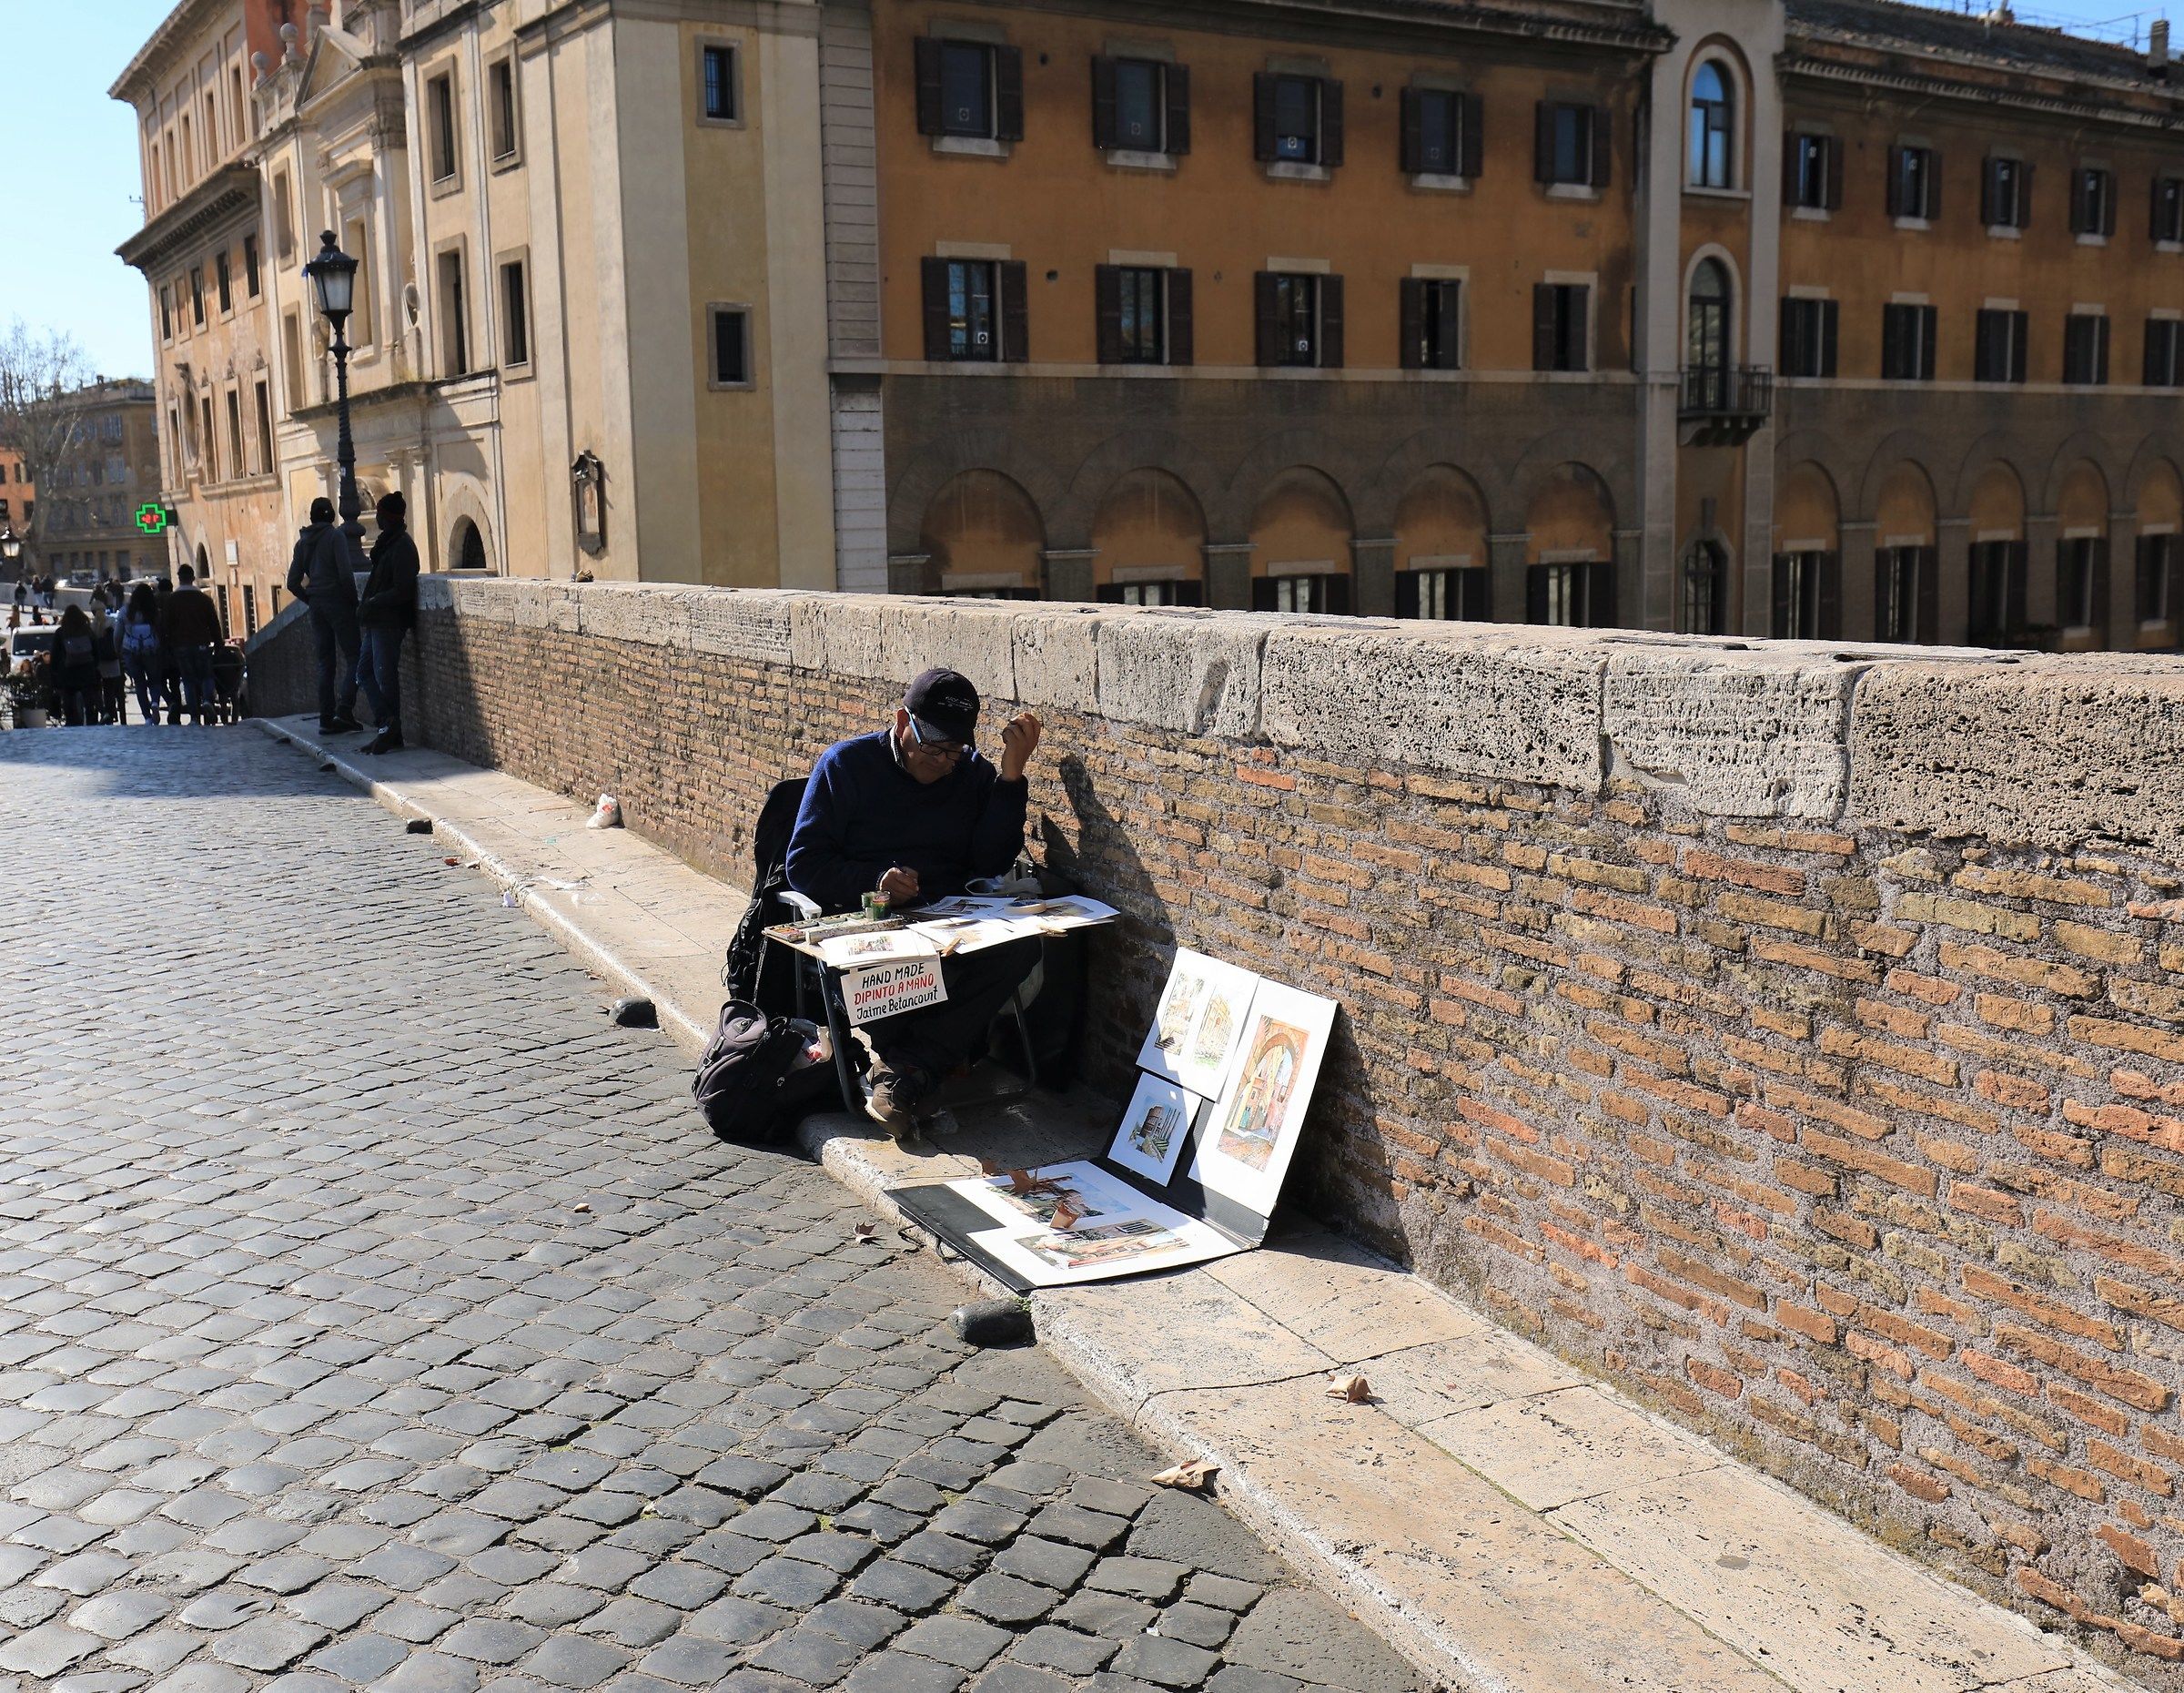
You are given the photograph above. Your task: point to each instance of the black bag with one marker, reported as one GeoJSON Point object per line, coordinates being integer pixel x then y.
{"type": "Point", "coordinates": [749, 1086]}
{"type": "Point", "coordinates": [748, 973]}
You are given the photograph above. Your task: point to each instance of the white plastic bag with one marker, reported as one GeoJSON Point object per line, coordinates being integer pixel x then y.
{"type": "Point", "coordinates": [606, 814]}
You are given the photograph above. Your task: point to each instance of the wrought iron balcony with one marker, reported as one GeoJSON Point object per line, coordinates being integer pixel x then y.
{"type": "Point", "coordinates": [1726, 394]}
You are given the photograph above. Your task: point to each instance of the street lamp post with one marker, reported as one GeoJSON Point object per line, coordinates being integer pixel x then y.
{"type": "Point", "coordinates": [333, 275]}
{"type": "Point", "coordinates": [11, 552]}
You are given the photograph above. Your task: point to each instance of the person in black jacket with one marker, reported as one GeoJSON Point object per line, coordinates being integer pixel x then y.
{"type": "Point", "coordinates": [320, 575]}
{"type": "Point", "coordinates": [75, 668]}
{"type": "Point", "coordinates": [384, 615]}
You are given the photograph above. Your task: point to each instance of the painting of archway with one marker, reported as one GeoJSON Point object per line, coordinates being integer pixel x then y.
{"type": "Point", "coordinates": [1300, 537]}
{"type": "Point", "coordinates": [1442, 568]}
{"type": "Point", "coordinates": [1149, 541]}
{"type": "Point", "coordinates": [983, 536]}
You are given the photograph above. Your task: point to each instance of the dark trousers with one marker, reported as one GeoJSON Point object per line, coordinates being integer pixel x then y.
{"type": "Point", "coordinates": [940, 1037]}
{"type": "Point", "coordinates": [379, 669]}
{"type": "Point", "coordinates": [336, 632]}
{"type": "Point", "coordinates": [194, 664]}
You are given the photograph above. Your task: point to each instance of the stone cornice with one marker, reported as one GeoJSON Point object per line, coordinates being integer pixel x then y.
{"type": "Point", "coordinates": [228, 191]}
{"type": "Point", "coordinates": [2088, 101]}
{"type": "Point", "coordinates": [177, 23]}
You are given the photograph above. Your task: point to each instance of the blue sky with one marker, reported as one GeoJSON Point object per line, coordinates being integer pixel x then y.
{"type": "Point", "coordinates": [72, 173]}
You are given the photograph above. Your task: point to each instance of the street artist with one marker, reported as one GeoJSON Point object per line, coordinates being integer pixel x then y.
{"type": "Point", "coordinates": [914, 811]}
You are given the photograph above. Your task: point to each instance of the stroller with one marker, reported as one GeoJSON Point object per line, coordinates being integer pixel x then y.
{"type": "Point", "coordinates": [230, 684]}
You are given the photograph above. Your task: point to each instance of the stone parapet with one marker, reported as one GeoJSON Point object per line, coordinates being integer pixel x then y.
{"type": "Point", "coordinates": [1793, 1034]}
{"type": "Point", "coordinates": [2037, 750]}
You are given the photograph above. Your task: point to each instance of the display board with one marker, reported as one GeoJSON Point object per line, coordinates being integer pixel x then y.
{"type": "Point", "coordinates": [1230, 1067]}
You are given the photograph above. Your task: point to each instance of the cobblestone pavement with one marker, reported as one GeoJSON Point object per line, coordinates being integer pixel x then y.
{"type": "Point", "coordinates": [373, 1313]}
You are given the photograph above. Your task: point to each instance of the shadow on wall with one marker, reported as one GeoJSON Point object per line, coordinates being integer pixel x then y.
{"type": "Point", "coordinates": [1342, 1175]}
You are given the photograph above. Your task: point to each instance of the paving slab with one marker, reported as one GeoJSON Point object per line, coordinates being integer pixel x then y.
{"type": "Point", "coordinates": [1574, 1541]}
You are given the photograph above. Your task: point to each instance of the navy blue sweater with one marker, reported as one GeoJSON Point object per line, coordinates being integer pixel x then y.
{"type": "Point", "coordinates": [862, 814]}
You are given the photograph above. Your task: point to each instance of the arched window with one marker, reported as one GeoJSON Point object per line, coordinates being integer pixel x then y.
{"type": "Point", "coordinates": [1707, 335]}
{"type": "Point", "coordinates": [1709, 163]}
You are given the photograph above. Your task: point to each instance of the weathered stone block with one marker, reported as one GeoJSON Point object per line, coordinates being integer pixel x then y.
{"type": "Point", "coordinates": [976, 637]}
{"type": "Point", "coordinates": [851, 631]}
{"type": "Point", "coordinates": [637, 613]}
{"type": "Point", "coordinates": [1197, 673]}
{"type": "Point", "coordinates": [1453, 697]}
{"type": "Point", "coordinates": [1762, 733]}
{"type": "Point", "coordinates": [757, 623]}
{"type": "Point", "coordinates": [2047, 752]}
{"type": "Point", "coordinates": [1058, 656]}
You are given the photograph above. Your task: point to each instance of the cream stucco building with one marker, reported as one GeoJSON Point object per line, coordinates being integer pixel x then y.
{"type": "Point", "coordinates": [590, 325]}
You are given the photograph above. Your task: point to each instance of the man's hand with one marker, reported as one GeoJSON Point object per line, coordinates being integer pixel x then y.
{"type": "Point", "coordinates": [899, 884]}
{"type": "Point", "coordinates": [1019, 740]}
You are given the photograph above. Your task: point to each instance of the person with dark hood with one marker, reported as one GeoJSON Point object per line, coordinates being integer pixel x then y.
{"type": "Point", "coordinates": [386, 613]}
{"type": "Point", "coordinates": [74, 673]}
{"type": "Point", "coordinates": [319, 574]}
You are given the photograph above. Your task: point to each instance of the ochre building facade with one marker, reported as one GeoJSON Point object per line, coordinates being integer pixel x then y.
{"type": "Point", "coordinates": [1845, 319]}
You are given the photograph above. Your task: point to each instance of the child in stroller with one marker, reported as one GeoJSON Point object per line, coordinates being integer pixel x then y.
{"type": "Point", "coordinates": [230, 684]}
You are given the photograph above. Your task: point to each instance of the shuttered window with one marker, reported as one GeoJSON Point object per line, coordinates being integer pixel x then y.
{"type": "Point", "coordinates": [1813, 171]}
{"type": "Point", "coordinates": [970, 90]}
{"type": "Point", "coordinates": [1908, 333]}
{"type": "Point", "coordinates": [2085, 350]}
{"type": "Point", "coordinates": [1808, 337]}
{"type": "Point", "coordinates": [975, 312]}
{"type": "Point", "coordinates": [1569, 145]}
{"type": "Point", "coordinates": [1559, 324]}
{"type": "Point", "coordinates": [1140, 106]}
{"type": "Point", "coordinates": [1300, 320]}
{"type": "Point", "coordinates": [1430, 323]}
{"type": "Point", "coordinates": [2006, 194]}
{"type": "Point", "coordinates": [1441, 135]}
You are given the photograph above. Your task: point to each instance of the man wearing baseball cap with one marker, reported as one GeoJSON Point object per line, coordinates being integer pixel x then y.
{"type": "Point", "coordinates": [914, 811]}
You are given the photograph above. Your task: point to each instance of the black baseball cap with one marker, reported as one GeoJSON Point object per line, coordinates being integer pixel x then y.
{"type": "Point", "coordinates": [946, 705]}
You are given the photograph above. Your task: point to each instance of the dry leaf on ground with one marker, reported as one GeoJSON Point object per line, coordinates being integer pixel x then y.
{"type": "Point", "coordinates": [1194, 1473]}
{"type": "Point", "coordinates": [1355, 1389]}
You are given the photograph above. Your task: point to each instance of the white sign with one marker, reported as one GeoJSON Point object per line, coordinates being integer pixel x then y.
{"type": "Point", "coordinates": [880, 990]}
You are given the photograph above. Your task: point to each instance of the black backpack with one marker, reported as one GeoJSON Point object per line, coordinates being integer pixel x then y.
{"type": "Point", "coordinates": [749, 1086]}
{"type": "Point", "coordinates": [748, 973]}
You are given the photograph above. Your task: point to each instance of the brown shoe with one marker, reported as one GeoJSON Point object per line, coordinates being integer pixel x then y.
{"type": "Point", "coordinates": [892, 1097]}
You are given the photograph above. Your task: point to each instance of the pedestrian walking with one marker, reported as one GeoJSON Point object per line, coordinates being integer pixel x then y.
{"type": "Point", "coordinates": [320, 576]}
{"type": "Point", "coordinates": [140, 649]}
{"type": "Point", "coordinates": [384, 615]}
{"type": "Point", "coordinates": [170, 679]}
{"type": "Point", "coordinates": [73, 670]}
{"type": "Point", "coordinates": [189, 628]}
{"type": "Point", "coordinates": [113, 687]}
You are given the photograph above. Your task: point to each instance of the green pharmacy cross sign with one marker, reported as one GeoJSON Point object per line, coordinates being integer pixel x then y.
{"type": "Point", "coordinates": [154, 518]}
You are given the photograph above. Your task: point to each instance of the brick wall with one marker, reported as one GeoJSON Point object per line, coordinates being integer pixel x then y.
{"type": "Point", "coordinates": [1796, 1037]}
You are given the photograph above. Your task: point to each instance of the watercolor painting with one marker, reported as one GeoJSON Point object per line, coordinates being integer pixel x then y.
{"type": "Point", "coordinates": [1154, 1129]}
{"type": "Point", "coordinates": [1200, 1021]}
{"type": "Point", "coordinates": [1245, 1148]}
{"type": "Point", "coordinates": [1253, 1118]}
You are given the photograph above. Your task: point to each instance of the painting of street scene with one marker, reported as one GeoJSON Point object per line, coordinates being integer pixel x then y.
{"type": "Point", "coordinates": [1133, 1237]}
{"type": "Point", "coordinates": [1154, 1129]}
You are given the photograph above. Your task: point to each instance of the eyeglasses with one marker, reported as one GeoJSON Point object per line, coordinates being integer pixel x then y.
{"type": "Point", "coordinates": [939, 749]}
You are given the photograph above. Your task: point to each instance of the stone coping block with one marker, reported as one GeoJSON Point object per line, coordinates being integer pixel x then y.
{"type": "Point", "coordinates": [2047, 752]}
{"type": "Point", "coordinates": [2040, 750]}
{"type": "Point", "coordinates": [1475, 700]}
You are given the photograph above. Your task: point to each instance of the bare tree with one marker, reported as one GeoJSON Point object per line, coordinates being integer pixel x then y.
{"type": "Point", "coordinates": [41, 419]}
